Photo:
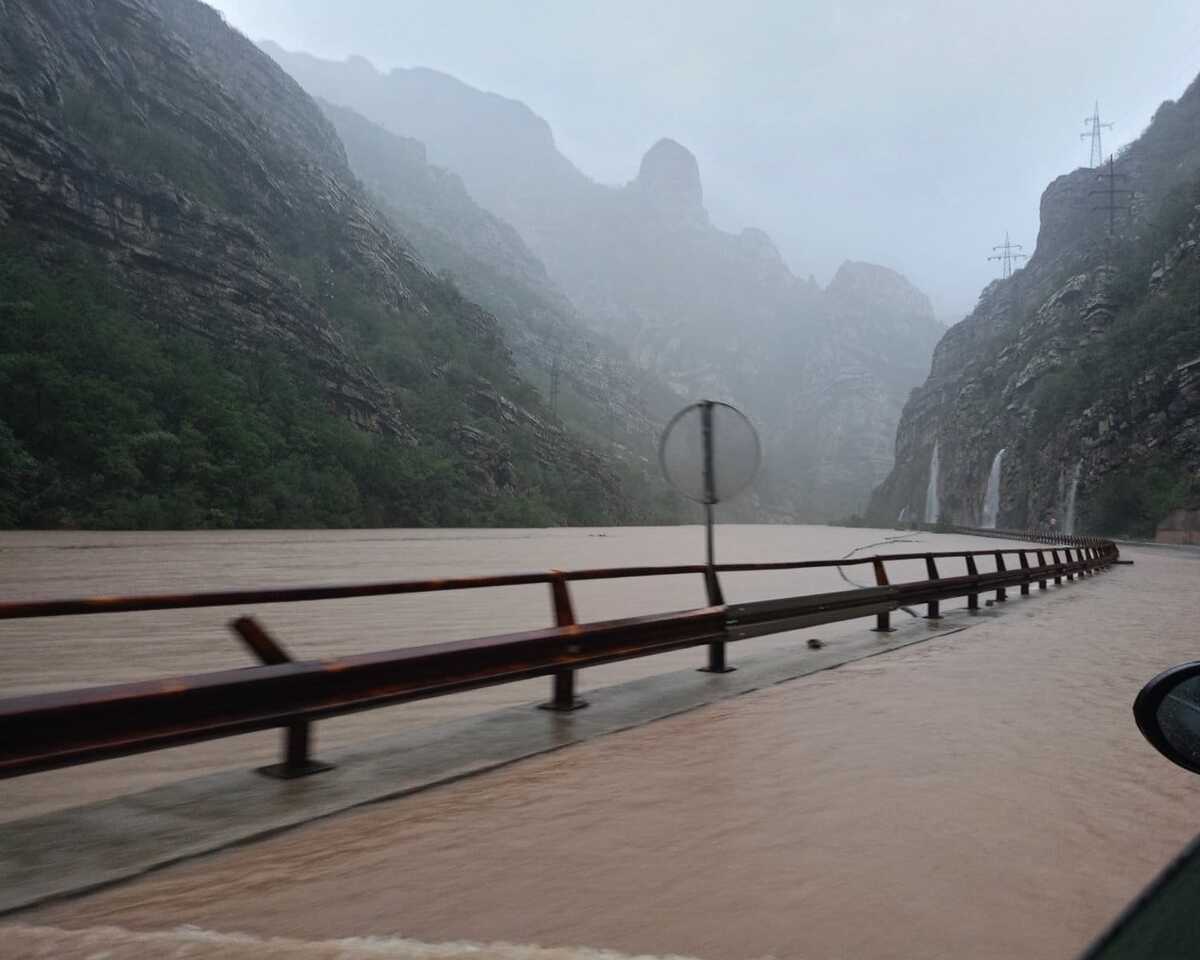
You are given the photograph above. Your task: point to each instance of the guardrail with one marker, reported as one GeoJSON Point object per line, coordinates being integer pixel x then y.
{"type": "Point", "coordinates": [52, 730]}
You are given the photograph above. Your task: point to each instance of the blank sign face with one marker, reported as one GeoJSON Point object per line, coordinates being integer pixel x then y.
{"type": "Point", "coordinates": [735, 452]}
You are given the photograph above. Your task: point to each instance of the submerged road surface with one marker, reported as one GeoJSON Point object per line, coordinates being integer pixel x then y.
{"type": "Point", "coordinates": [982, 795]}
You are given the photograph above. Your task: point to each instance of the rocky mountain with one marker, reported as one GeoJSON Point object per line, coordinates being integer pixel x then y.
{"type": "Point", "coordinates": [587, 378]}
{"type": "Point", "coordinates": [1073, 389]}
{"type": "Point", "coordinates": [503, 151]}
{"type": "Point", "coordinates": [706, 312]}
{"type": "Point", "coordinates": [205, 319]}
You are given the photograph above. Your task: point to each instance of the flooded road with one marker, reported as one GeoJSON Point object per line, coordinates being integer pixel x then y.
{"type": "Point", "coordinates": [62, 652]}
{"type": "Point", "coordinates": [985, 794]}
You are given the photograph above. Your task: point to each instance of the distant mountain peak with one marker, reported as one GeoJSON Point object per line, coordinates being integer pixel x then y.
{"type": "Point", "coordinates": [354, 62]}
{"type": "Point", "coordinates": [870, 284]}
{"type": "Point", "coordinates": [759, 243]}
{"type": "Point", "coordinates": [670, 177]}
{"type": "Point", "coordinates": [859, 271]}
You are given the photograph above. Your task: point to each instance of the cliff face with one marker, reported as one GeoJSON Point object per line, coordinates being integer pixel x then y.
{"type": "Point", "coordinates": [504, 152]}
{"type": "Point", "coordinates": [81, 160]}
{"type": "Point", "coordinates": [1083, 367]}
{"type": "Point", "coordinates": [597, 389]}
{"type": "Point", "coordinates": [219, 199]}
{"type": "Point", "coordinates": [705, 312]}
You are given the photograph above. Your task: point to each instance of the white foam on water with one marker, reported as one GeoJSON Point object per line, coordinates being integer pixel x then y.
{"type": "Point", "coordinates": [23, 942]}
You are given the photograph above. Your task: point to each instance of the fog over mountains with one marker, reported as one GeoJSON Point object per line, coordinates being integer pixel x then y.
{"type": "Point", "coordinates": [703, 312]}
{"type": "Point", "coordinates": [208, 322]}
{"type": "Point", "coordinates": [911, 135]}
{"type": "Point", "coordinates": [249, 287]}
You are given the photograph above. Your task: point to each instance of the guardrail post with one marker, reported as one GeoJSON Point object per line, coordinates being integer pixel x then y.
{"type": "Point", "coordinates": [1070, 559]}
{"type": "Point", "coordinates": [1057, 568]}
{"type": "Point", "coordinates": [297, 737]}
{"type": "Point", "coordinates": [972, 571]}
{"type": "Point", "coordinates": [1042, 563]}
{"type": "Point", "coordinates": [1024, 567]}
{"type": "Point", "coordinates": [716, 598]}
{"type": "Point", "coordinates": [883, 621]}
{"type": "Point", "coordinates": [1001, 593]}
{"type": "Point", "coordinates": [563, 699]}
{"type": "Point", "coordinates": [933, 611]}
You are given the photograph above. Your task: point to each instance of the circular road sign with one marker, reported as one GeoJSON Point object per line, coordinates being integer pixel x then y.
{"type": "Point", "coordinates": [709, 452]}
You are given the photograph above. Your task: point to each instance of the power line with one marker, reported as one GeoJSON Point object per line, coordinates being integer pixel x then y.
{"type": "Point", "coordinates": [610, 379]}
{"type": "Point", "coordinates": [1111, 192]}
{"type": "Point", "coordinates": [1094, 126]}
{"type": "Point", "coordinates": [555, 374]}
{"type": "Point", "coordinates": [1006, 254]}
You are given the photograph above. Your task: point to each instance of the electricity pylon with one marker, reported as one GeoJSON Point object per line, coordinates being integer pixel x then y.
{"type": "Point", "coordinates": [1110, 193]}
{"type": "Point", "coordinates": [1094, 126]}
{"type": "Point", "coordinates": [1114, 199]}
{"type": "Point", "coordinates": [1006, 254]}
{"type": "Point", "coordinates": [555, 375]}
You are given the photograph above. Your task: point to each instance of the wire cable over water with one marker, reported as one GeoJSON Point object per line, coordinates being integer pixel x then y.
{"type": "Point", "coordinates": [887, 541]}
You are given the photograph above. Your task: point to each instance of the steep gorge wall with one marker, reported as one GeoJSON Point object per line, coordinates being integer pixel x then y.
{"type": "Point", "coordinates": [150, 136]}
{"type": "Point", "coordinates": [705, 312]}
{"type": "Point", "coordinates": [597, 389]}
{"type": "Point", "coordinates": [1084, 365]}
{"type": "Point", "coordinates": [163, 228]}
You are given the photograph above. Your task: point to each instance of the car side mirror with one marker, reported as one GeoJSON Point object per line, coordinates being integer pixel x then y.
{"type": "Point", "coordinates": [1167, 711]}
{"type": "Point", "coordinates": [1164, 920]}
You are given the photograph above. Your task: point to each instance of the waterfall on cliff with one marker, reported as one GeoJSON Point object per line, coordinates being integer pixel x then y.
{"type": "Point", "coordinates": [1069, 520]}
{"type": "Point", "coordinates": [991, 496]}
{"type": "Point", "coordinates": [932, 507]}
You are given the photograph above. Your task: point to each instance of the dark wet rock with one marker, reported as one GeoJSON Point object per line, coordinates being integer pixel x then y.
{"type": "Point", "coordinates": [1050, 366]}
{"type": "Point", "coordinates": [220, 199]}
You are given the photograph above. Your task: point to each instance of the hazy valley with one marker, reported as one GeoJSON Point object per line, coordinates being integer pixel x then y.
{"type": "Point", "coordinates": [248, 288]}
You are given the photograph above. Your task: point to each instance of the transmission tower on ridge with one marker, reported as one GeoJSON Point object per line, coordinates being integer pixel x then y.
{"type": "Point", "coordinates": [1114, 200]}
{"type": "Point", "coordinates": [1111, 194]}
{"type": "Point", "coordinates": [1006, 254]}
{"type": "Point", "coordinates": [1094, 126]}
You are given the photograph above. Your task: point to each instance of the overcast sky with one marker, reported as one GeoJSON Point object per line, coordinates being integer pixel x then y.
{"type": "Point", "coordinates": [909, 134]}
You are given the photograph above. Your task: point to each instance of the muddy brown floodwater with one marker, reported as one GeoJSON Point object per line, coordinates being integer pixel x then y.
{"type": "Point", "coordinates": [62, 652]}
{"type": "Point", "coordinates": [983, 795]}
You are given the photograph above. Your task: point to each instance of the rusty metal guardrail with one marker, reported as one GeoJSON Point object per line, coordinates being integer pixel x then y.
{"type": "Point", "coordinates": [47, 731]}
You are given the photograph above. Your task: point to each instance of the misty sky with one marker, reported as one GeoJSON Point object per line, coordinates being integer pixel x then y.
{"type": "Point", "coordinates": [909, 134]}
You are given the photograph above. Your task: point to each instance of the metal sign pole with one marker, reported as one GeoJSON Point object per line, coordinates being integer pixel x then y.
{"type": "Point", "coordinates": [716, 651]}
{"type": "Point", "coordinates": [692, 470]}
{"type": "Point", "coordinates": [708, 532]}
{"type": "Point", "coordinates": [710, 492]}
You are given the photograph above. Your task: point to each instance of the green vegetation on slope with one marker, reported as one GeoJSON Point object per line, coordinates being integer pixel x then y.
{"type": "Point", "coordinates": [108, 420]}
{"type": "Point", "coordinates": [1132, 501]}
{"type": "Point", "coordinates": [1152, 333]}
{"type": "Point", "coordinates": [111, 416]}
